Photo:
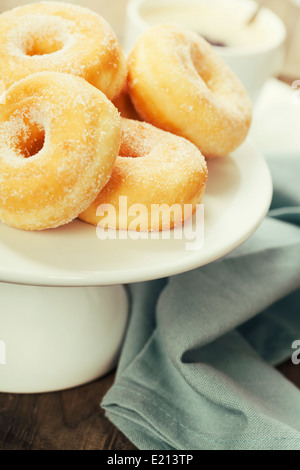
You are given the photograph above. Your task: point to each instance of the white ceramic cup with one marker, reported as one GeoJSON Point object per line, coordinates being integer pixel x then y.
{"type": "Point", "coordinates": [253, 64]}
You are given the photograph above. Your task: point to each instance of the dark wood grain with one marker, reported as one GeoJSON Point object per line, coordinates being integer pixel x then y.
{"type": "Point", "coordinates": [70, 420]}
{"type": "Point", "coordinates": [66, 420]}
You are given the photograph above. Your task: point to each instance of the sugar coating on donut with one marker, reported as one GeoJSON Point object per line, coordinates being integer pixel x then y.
{"type": "Point", "coordinates": [176, 156]}
{"type": "Point", "coordinates": [59, 34]}
{"type": "Point", "coordinates": [178, 82]}
{"type": "Point", "coordinates": [51, 166]}
{"type": "Point", "coordinates": [45, 108]}
{"type": "Point", "coordinates": [64, 38]}
{"type": "Point", "coordinates": [154, 168]}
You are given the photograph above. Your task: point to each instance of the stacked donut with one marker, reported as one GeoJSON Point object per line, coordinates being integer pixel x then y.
{"type": "Point", "coordinates": [64, 148]}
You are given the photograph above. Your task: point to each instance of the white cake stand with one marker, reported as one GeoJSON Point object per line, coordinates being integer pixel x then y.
{"type": "Point", "coordinates": [58, 328]}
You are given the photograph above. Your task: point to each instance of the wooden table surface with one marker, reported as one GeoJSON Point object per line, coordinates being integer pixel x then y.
{"type": "Point", "coordinates": [70, 420]}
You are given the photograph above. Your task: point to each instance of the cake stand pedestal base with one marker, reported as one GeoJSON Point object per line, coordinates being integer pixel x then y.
{"type": "Point", "coordinates": [53, 338]}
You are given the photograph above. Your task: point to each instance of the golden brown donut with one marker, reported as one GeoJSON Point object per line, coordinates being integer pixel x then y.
{"type": "Point", "coordinates": [60, 37]}
{"type": "Point", "coordinates": [59, 138]}
{"type": "Point", "coordinates": [154, 168]}
{"type": "Point", "coordinates": [179, 83]}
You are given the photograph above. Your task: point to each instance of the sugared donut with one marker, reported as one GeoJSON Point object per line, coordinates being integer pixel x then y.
{"type": "Point", "coordinates": [179, 83]}
{"type": "Point", "coordinates": [158, 175]}
{"type": "Point", "coordinates": [64, 38]}
{"type": "Point", "coordinates": [59, 138]}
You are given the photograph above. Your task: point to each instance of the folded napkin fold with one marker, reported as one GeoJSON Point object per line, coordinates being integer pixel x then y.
{"type": "Point", "coordinates": [196, 370]}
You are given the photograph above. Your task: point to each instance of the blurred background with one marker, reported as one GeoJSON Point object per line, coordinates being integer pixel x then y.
{"type": "Point", "coordinates": [115, 10]}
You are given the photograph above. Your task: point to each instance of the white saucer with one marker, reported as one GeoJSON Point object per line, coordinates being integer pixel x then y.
{"type": "Point", "coordinates": [237, 198]}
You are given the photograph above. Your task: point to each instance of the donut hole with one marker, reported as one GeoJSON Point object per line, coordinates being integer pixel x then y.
{"type": "Point", "coordinates": [135, 144]}
{"type": "Point", "coordinates": [129, 153]}
{"type": "Point", "coordinates": [39, 46]}
{"type": "Point", "coordinates": [39, 35]}
{"type": "Point", "coordinates": [31, 142]}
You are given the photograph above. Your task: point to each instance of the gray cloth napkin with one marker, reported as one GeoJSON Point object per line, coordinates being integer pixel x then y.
{"type": "Point", "coordinates": [196, 370]}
